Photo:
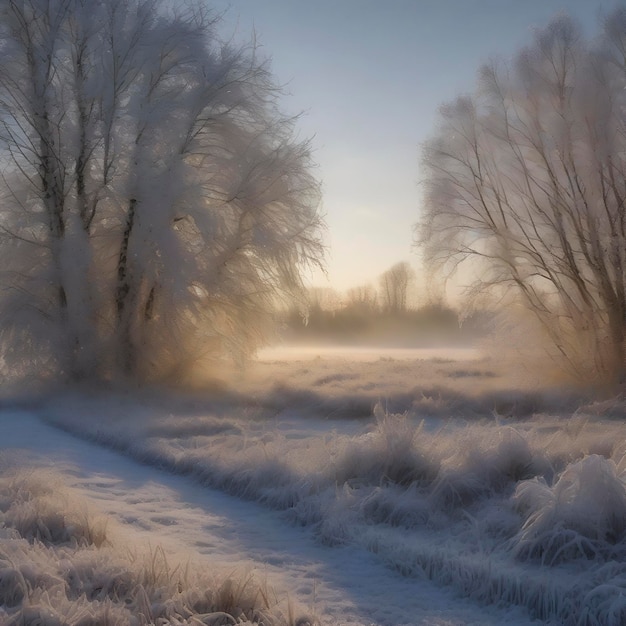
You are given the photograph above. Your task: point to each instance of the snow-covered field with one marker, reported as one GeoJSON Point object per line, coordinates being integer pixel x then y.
{"type": "Point", "coordinates": [439, 489]}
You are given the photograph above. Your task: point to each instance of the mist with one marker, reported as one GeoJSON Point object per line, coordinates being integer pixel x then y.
{"type": "Point", "coordinates": [191, 433]}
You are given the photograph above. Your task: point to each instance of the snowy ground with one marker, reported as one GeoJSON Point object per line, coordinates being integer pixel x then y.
{"type": "Point", "coordinates": [433, 516]}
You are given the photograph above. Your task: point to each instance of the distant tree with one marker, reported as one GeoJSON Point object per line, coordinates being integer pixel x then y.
{"type": "Point", "coordinates": [527, 178]}
{"type": "Point", "coordinates": [394, 287]}
{"type": "Point", "coordinates": [362, 299]}
{"type": "Point", "coordinates": [321, 302]}
{"type": "Point", "coordinates": [155, 199]}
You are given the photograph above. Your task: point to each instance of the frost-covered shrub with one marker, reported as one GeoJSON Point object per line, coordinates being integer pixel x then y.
{"type": "Point", "coordinates": [433, 402]}
{"type": "Point", "coordinates": [13, 586]}
{"type": "Point", "coordinates": [511, 459]}
{"type": "Point", "coordinates": [96, 576]}
{"type": "Point", "coordinates": [603, 601]}
{"type": "Point", "coordinates": [30, 505]}
{"type": "Point", "coordinates": [482, 462]}
{"type": "Point", "coordinates": [53, 609]}
{"type": "Point", "coordinates": [338, 517]}
{"type": "Point", "coordinates": [582, 516]}
{"type": "Point", "coordinates": [396, 506]}
{"type": "Point", "coordinates": [392, 453]}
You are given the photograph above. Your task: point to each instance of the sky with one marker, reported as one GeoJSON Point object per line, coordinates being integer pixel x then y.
{"type": "Point", "coordinates": [368, 77]}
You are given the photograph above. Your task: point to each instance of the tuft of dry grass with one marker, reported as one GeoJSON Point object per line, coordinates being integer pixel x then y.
{"type": "Point", "coordinates": [40, 512]}
{"type": "Point", "coordinates": [59, 565]}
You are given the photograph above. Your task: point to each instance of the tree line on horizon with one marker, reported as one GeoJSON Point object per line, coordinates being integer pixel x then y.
{"type": "Point", "coordinates": [392, 310]}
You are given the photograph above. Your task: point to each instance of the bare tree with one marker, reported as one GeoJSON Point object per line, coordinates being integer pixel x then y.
{"type": "Point", "coordinates": [155, 198]}
{"type": "Point", "coordinates": [323, 299]}
{"type": "Point", "coordinates": [526, 179]}
{"type": "Point", "coordinates": [362, 299]}
{"type": "Point", "coordinates": [394, 287]}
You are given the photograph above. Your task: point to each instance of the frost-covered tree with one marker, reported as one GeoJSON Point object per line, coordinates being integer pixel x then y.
{"type": "Point", "coordinates": [527, 179]}
{"type": "Point", "coordinates": [155, 198]}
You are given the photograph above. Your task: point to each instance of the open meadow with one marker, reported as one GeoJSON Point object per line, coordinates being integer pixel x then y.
{"type": "Point", "coordinates": [329, 486]}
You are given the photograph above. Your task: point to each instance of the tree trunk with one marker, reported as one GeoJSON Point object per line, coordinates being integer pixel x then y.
{"type": "Point", "coordinates": [617, 348]}
{"type": "Point", "coordinates": [123, 296]}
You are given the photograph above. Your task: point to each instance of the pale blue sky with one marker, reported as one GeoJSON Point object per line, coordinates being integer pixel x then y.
{"type": "Point", "coordinates": [369, 76]}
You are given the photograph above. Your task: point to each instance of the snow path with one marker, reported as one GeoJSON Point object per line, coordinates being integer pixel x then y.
{"type": "Point", "coordinates": [343, 586]}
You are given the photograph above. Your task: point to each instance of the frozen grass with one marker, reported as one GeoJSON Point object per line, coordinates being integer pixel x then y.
{"type": "Point", "coordinates": [60, 565]}
{"type": "Point", "coordinates": [509, 495]}
{"type": "Point", "coordinates": [390, 453]}
{"type": "Point", "coordinates": [582, 516]}
{"type": "Point", "coordinates": [339, 387]}
{"type": "Point", "coordinates": [39, 510]}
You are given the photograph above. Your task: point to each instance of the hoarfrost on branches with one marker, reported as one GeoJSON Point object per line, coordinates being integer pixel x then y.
{"type": "Point", "coordinates": [525, 179]}
{"type": "Point", "coordinates": [156, 201]}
